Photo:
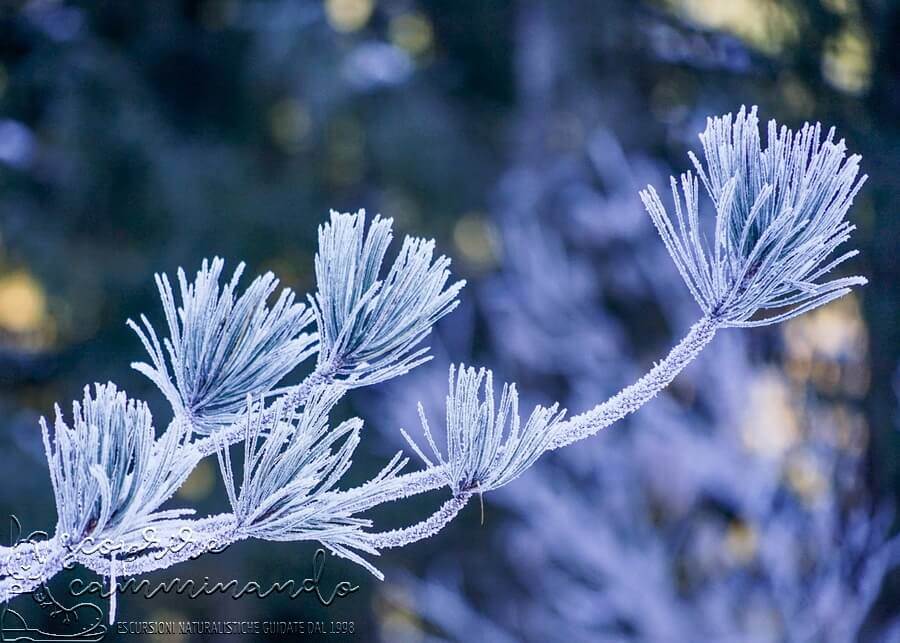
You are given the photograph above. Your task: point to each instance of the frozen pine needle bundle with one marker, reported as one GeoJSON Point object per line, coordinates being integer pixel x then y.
{"type": "Point", "coordinates": [780, 217]}
{"type": "Point", "coordinates": [221, 345]}
{"type": "Point", "coordinates": [487, 446]}
{"type": "Point", "coordinates": [109, 472]}
{"type": "Point", "coordinates": [757, 249]}
{"type": "Point", "coordinates": [371, 324]}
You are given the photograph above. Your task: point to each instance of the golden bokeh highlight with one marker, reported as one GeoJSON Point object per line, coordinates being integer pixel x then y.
{"type": "Point", "coordinates": [23, 304]}
{"type": "Point", "coordinates": [289, 123]}
{"type": "Point", "coordinates": [741, 541]}
{"type": "Point", "coordinates": [474, 238]}
{"type": "Point", "coordinates": [770, 426]}
{"type": "Point", "coordinates": [847, 60]}
{"type": "Point", "coordinates": [767, 25]}
{"type": "Point", "coordinates": [841, 7]}
{"type": "Point", "coordinates": [829, 347]}
{"type": "Point", "coordinates": [805, 476]}
{"type": "Point", "coordinates": [397, 619]}
{"type": "Point", "coordinates": [829, 332]}
{"type": "Point", "coordinates": [348, 15]}
{"type": "Point", "coordinates": [412, 32]}
{"type": "Point", "coordinates": [199, 483]}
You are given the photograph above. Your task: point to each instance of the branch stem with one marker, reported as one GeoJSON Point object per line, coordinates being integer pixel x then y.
{"type": "Point", "coordinates": [631, 398]}
{"type": "Point", "coordinates": [421, 530]}
{"type": "Point", "coordinates": [296, 396]}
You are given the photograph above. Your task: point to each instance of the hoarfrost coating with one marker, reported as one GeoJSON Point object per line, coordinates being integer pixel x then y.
{"type": "Point", "coordinates": [779, 217]}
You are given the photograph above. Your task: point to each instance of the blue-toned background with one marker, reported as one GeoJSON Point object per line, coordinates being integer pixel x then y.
{"type": "Point", "coordinates": [752, 502]}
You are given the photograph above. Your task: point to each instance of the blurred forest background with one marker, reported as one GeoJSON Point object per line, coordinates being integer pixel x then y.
{"type": "Point", "coordinates": [753, 503]}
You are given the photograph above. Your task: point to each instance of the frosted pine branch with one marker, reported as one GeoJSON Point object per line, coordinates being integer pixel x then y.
{"type": "Point", "coordinates": [779, 216]}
